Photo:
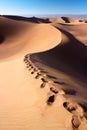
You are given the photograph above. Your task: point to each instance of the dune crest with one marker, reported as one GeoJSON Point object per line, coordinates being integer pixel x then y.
{"type": "Point", "coordinates": [32, 35]}
{"type": "Point", "coordinates": [43, 74]}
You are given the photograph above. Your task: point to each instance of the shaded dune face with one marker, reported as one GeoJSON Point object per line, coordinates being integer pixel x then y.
{"type": "Point", "coordinates": [1, 39]}
{"type": "Point", "coordinates": [9, 28]}
{"type": "Point", "coordinates": [51, 56]}
{"type": "Point", "coordinates": [70, 20]}
{"type": "Point", "coordinates": [73, 53]}
{"type": "Point", "coordinates": [69, 58]}
{"type": "Point", "coordinates": [10, 31]}
{"type": "Point", "coordinates": [70, 52]}
{"type": "Point", "coordinates": [17, 38]}
{"type": "Point", "coordinates": [31, 19]}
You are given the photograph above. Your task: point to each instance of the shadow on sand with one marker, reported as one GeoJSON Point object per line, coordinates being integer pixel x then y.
{"type": "Point", "coordinates": [69, 57]}
{"type": "Point", "coordinates": [28, 19]}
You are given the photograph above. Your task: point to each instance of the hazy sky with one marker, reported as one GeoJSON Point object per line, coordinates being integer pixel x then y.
{"type": "Point", "coordinates": [27, 7]}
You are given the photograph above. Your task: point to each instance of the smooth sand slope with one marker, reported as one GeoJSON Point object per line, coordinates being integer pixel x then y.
{"type": "Point", "coordinates": [20, 38]}
{"type": "Point", "coordinates": [44, 90]}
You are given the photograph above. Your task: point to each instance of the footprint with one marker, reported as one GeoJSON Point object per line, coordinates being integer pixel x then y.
{"type": "Point", "coordinates": [26, 56]}
{"type": "Point", "coordinates": [27, 66]}
{"type": "Point", "coordinates": [70, 106]}
{"type": "Point", "coordinates": [30, 64]}
{"type": "Point", "coordinates": [26, 61]}
{"type": "Point", "coordinates": [75, 122]}
{"type": "Point", "coordinates": [53, 90]}
{"type": "Point", "coordinates": [38, 75]}
{"type": "Point", "coordinates": [43, 85]}
{"type": "Point", "coordinates": [50, 100]}
{"type": "Point", "coordinates": [32, 72]}
{"type": "Point", "coordinates": [35, 70]}
{"type": "Point", "coordinates": [44, 80]}
{"type": "Point", "coordinates": [30, 68]}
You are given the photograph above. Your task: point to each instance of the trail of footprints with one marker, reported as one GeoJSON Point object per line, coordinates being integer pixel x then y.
{"type": "Point", "coordinates": [76, 119]}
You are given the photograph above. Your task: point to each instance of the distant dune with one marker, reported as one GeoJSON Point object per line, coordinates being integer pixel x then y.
{"type": "Point", "coordinates": [56, 20]}
{"type": "Point", "coordinates": [43, 73]}
{"type": "Point", "coordinates": [30, 19]}
{"type": "Point", "coordinates": [70, 20]}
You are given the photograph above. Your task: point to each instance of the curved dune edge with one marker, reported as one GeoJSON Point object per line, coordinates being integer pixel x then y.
{"type": "Point", "coordinates": [78, 121]}
{"type": "Point", "coordinates": [74, 112]}
{"type": "Point", "coordinates": [19, 38]}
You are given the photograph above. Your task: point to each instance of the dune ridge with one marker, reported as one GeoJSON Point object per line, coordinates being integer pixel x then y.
{"type": "Point", "coordinates": [43, 73]}
{"type": "Point", "coordinates": [30, 33]}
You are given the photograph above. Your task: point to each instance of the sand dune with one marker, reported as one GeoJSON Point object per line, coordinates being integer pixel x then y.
{"type": "Point", "coordinates": [43, 74]}
{"type": "Point", "coordinates": [70, 20]}
{"type": "Point", "coordinates": [56, 20]}
{"type": "Point", "coordinates": [30, 19]}
{"type": "Point", "coordinates": [32, 35]}
{"type": "Point", "coordinates": [77, 30]}
{"type": "Point", "coordinates": [73, 20]}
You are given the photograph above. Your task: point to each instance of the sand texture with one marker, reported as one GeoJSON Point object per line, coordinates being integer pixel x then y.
{"type": "Point", "coordinates": [43, 73]}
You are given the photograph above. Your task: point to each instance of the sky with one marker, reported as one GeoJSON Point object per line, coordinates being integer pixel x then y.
{"type": "Point", "coordinates": [32, 7]}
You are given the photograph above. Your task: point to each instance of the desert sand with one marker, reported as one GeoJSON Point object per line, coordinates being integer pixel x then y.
{"type": "Point", "coordinates": [43, 73]}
